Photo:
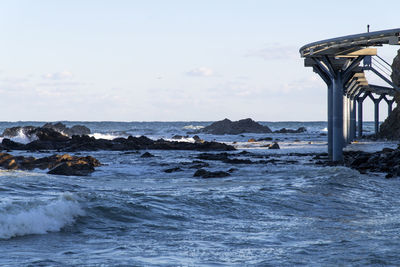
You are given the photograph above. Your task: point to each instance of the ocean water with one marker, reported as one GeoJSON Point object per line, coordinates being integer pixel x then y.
{"type": "Point", "coordinates": [129, 212]}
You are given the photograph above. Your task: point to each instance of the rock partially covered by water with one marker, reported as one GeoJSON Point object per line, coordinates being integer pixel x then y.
{"type": "Point", "coordinates": [58, 164]}
{"type": "Point", "coordinates": [87, 143]}
{"type": "Point", "coordinates": [227, 126]}
{"type": "Point", "coordinates": [209, 174]}
{"type": "Point", "coordinates": [385, 161]}
{"type": "Point", "coordinates": [299, 130]}
{"type": "Point", "coordinates": [48, 131]}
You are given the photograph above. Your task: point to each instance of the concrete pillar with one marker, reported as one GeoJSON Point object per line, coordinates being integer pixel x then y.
{"type": "Point", "coordinates": [376, 113]}
{"type": "Point", "coordinates": [330, 120]}
{"type": "Point", "coordinates": [345, 123]}
{"type": "Point", "coordinates": [352, 119]}
{"type": "Point", "coordinates": [360, 117]}
{"type": "Point", "coordinates": [337, 135]}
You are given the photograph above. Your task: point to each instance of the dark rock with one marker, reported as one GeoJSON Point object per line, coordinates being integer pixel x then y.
{"type": "Point", "coordinates": [390, 128]}
{"type": "Point", "coordinates": [50, 139]}
{"type": "Point", "coordinates": [275, 145]}
{"type": "Point", "coordinates": [16, 131]}
{"type": "Point", "coordinates": [238, 161]}
{"type": "Point", "coordinates": [69, 169]}
{"type": "Point", "coordinates": [62, 128]}
{"type": "Point", "coordinates": [208, 174]}
{"type": "Point", "coordinates": [11, 145]}
{"type": "Point", "coordinates": [147, 155]}
{"type": "Point", "coordinates": [235, 127]}
{"type": "Point", "coordinates": [210, 156]}
{"type": "Point", "coordinates": [299, 130]}
{"type": "Point", "coordinates": [177, 169]}
{"type": "Point", "coordinates": [58, 164]}
{"type": "Point", "coordinates": [265, 139]}
{"type": "Point", "coordinates": [196, 138]}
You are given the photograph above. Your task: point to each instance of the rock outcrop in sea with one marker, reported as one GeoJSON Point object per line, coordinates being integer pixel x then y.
{"type": "Point", "coordinates": [32, 132]}
{"type": "Point", "coordinates": [227, 126]}
{"type": "Point", "coordinates": [390, 128]}
{"type": "Point", "coordinates": [49, 139]}
{"type": "Point", "coordinates": [57, 164]}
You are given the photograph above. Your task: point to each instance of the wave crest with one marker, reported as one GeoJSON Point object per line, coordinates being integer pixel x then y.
{"type": "Point", "coordinates": [39, 218]}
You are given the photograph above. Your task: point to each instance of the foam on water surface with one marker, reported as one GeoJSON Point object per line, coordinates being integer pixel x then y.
{"type": "Point", "coordinates": [38, 218]}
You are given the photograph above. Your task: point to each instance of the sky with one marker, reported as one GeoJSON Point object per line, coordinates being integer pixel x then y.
{"type": "Point", "coordinates": [175, 60]}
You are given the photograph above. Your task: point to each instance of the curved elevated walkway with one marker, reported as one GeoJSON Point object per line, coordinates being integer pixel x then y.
{"type": "Point", "coordinates": [337, 61]}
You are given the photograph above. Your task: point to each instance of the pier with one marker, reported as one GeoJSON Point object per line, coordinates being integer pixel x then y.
{"type": "Point", "coordinates": [342, 62]}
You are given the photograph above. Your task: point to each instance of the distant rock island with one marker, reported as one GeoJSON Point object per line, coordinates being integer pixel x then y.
{"type": "Point", "coordinates": [227, 126]}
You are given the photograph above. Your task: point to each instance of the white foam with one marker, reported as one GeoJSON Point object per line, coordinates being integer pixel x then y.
{"type": "Point", "coordinates": [21, 138]}
{"type": "Point", "coordinates": [39, 219]}
{"type": "Point", "coordinates": [193, 127]}
{"type": "Point", "coordinates": [104, 136]}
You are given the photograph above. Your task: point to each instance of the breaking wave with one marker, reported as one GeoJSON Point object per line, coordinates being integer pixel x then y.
{"type": "Point", "coordinates": [104, 136]}
{"type": "Point", "coordinates": [193, 127]}
{"type": "Point", "coordinates": [38, 218]}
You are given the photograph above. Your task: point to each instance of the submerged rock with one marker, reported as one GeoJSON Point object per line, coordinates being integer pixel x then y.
{"type": "Point", "coordinates": [227, 126]}
{"type": "Point", "coordinates": [208, 174]}
{"type": "Point", "coordinates": [147, 155]}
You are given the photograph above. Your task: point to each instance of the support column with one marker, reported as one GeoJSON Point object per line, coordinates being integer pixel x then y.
{"type": "Point", "coordinates": [376, 113]}
{"type": "Point", "coordinates": [344, 121]}
{"type": "Point", "coordinates": [348, 120]}
{"type": "Point", "coordinates": [352, 119]}
{"type": "Point", "coordinates": [337, 138]}
{"type": "Point", "coordinates": [330, 120]}
{"type": "Point", "coordinates": [360, 117]}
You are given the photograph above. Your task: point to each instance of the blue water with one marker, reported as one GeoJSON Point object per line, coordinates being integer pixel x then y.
{"type": "Point", "coordinates": [129, 212]}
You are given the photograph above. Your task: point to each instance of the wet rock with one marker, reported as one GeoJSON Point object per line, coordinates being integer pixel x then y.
{"type": "Point", "coordinates": [147, 155]}
{"type": "Point", "coordinates": [299, 130]}
{"type": "Point", "coordinates": [19, 130]}
{"type": "Point", "coordinates": [238, 161]}
{"type": "Point", "coordinates": [212, 156]}
{"type": "Point", "coordinates": [58, 164]}
{"type": "Point", "coordinates": [208, 174]}
{"type": "Point", "coordinates": [171, 170]}
{"type": "Point", "coordinates": [265, 139]}
{"type": "Point", "coordinates": [52, 140]}
{"type": "Point", "coordinates": [227, 126]}
{"type": "Point", "coordinates": [62, 128]}
{"type": "Point", "coordinates": [275, 145]}
{"type": "Point", "coordinates": [11, 145]}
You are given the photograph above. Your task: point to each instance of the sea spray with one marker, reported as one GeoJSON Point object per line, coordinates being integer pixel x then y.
{"type": "Point", "coordinates": [38, 218]}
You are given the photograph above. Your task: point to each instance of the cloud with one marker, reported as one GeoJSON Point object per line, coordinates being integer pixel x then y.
{"type": "Point", "coordinates": [201, 72]}
{"type": "Point", "coordinates": [57, 75]}
{"type": "Point", "coordinates": [275, 52]}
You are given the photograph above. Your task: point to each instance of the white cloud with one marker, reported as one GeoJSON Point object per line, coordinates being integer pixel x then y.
{"type": "Point", "coordinates": [201, 72]}
{"type": "Point", "coordinates": [58, 75]}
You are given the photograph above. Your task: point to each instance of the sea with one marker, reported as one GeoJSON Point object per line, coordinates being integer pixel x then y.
{"type": "Point", "coordinates": [284, 211]}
